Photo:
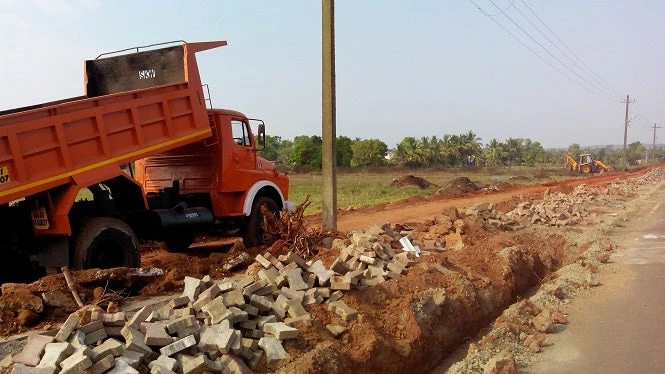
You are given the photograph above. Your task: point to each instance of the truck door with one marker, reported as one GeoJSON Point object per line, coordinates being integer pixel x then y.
{"type": "Point", "coordinates": [243, 155]}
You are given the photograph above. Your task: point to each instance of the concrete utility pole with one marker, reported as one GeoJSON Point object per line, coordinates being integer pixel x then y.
{"type": "Point", "coordinates": [653, 148]}
{"type": "Point", "coordinates": [625, 138]}
{"type": "Point", "coordinates": [329, 126]}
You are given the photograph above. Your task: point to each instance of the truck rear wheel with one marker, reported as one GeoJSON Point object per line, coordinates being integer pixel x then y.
{"type": "Point", "coordinates": [254, 234]}
{"type": "Point", "coordinates": [105, 242]}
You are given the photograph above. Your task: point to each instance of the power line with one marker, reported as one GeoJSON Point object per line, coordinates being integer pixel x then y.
{"type": "Point", "coordinates": [512, 3]}
{"type": "Point", "coordinates": [570, 50]}
{"type": "Point", "coordinates": [590, 75]}
{"type": "Point", "coordinates": [550, 53]}
{"type": "Point", "coordinates": [534, 52]}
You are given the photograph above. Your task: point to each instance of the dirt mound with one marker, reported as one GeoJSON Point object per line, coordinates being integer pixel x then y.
{"type": "Point", "coordinates": [457, 186]}
{"type": "Point", "coordinates": [520, 178]}
{"type": "Point", "coordinates": [411, 180]}
{"type": "Point", "coordinates": [162, 272]}
{"type": "Point", "coordinates": [49, 298]}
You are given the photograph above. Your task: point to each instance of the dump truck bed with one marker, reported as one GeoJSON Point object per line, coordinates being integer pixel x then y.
{"type": "Point", "coordinates": [136, 105]}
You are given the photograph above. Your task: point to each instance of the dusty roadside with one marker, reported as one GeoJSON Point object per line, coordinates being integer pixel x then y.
{"type": "Point", "coordinates": [603, 324]}
{"type": "Point", "coordinates": [618, 326]}
{"type": "Point", "coordinates": [475, 264]}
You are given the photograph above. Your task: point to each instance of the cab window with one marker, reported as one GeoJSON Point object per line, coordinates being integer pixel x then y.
{"type": "Point", "coordinates": [240, 133]}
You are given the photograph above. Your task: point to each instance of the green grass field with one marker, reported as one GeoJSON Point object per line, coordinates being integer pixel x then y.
{"type": "Point", "coordinates": [369, 188]}
{"type": "Point", "coordinates": [358, 188]}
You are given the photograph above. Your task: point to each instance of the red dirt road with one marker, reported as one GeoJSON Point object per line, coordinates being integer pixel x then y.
{"type": "Point", "coordinates": [417, 209]}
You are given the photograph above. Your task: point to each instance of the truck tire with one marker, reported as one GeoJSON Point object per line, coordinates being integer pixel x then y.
{"type": "Point", "coordinates": [105, 242]}
{"type": "Point", "coordinates": [254, 233]}
{"type": "Point", "coordinates": [586, 169]}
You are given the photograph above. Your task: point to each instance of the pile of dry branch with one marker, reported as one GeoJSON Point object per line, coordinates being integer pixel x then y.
{"type": "Point", "coordinates": [288, 228]}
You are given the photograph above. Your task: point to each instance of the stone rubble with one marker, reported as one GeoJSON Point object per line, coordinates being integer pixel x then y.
{"type": "Point", "coordinates": [559, 209]}
{"type": "Point", "coordinates": [571, 209]}
{"type": "Point", "coordinates": [227, 325]}
{"type": "Point", "coordinates": [493, 218]}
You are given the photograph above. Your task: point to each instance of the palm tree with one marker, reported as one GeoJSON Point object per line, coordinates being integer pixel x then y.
{"type": "Point", "coordinates": [406, 152]}
{"type": "Point", "coordinates": [494, 152]}
{"type": "Point", "coordinates": [514, 150]}
{"type": "Point", "coordinates": [470, 143]}
{"type": "Point", "coordinates": [450, 149]}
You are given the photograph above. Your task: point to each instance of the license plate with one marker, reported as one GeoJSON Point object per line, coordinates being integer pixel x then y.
{"type": "Point", "coordinates": [40, 219]}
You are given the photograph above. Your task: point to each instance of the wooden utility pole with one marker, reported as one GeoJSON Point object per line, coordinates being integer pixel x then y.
{"type": "Point", "coordinates": [653, 147]}
{"type": "Point", "coordinates": [625, 138]}
{"type": "Point", "coordinates": [329, 126]}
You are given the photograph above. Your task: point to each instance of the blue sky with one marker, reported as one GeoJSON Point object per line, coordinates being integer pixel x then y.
{"type": "Point", "coordinates": [404, 68]}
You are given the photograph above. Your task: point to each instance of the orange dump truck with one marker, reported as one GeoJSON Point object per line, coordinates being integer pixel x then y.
{"type": "Point", "coordinates": [139, 156]}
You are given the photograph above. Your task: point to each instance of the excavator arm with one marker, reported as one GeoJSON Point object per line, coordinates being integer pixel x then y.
{"type": "Point", "coordinates": [602, 165]}
{"type": "Point", "coordinates": [571, 164]}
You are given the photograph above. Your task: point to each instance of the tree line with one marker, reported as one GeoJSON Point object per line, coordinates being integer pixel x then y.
{"type": "Point", "coordinates": [464, 149]}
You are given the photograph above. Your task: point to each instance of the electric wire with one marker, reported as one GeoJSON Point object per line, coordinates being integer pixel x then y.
{"type": "Point", "coordinates": [607, 85]}
{"type": "Point", "coordinates": [644, 120]}
{"type": "Point", "coordinates": [550, 53]}
{"type": "Point", "coordinates": [512, 4]}
{"type": "Point", "coordinates": [611, 98]}
{"type": "Point", "coordinates": [591, 74]}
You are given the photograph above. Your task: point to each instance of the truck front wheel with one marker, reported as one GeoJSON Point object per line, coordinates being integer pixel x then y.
{"type": "Point", "coordinates": [105, 242]}
{"type": "Point", "coordinates": [254, 234]}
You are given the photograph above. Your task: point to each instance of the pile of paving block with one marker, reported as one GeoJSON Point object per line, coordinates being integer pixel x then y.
{"type": "Point", "coordinates": [560, 209]}
{"type": "Point", "coordinates": [444, 232]}
{"type": "Point", "coordinates": [653, 176]}
{"type": "Point", "coordinates": [493, 218]}
{"type": "Point", "coordinates": [369, 259]}
{"type": "Point", "coordinates": [612, 189]}
{"type": "Point", "coordinates": [216, 326]}
{"type": "Point", "coordinates": [607, 192]}
{"type": "Point", "coordinates": [555, 210]}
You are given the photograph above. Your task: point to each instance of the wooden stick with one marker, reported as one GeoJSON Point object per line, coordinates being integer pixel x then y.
{"type": "Point", "coordinates": [70, 285]}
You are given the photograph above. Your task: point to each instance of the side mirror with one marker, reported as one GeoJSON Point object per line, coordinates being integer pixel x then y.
{"type": "Point", "coordinates": [262, 136]}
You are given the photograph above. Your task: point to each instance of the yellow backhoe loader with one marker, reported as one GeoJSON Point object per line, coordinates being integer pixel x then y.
{"type": "Point", "coordinates": [586, 164]}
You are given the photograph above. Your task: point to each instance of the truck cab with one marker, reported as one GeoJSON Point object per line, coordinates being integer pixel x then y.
{"type": "Point", "coordinates": [223, 174]}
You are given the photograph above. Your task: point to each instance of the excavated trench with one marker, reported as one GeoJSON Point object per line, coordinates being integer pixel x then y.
{"type": "Point", "coordinates": [413, 323]}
